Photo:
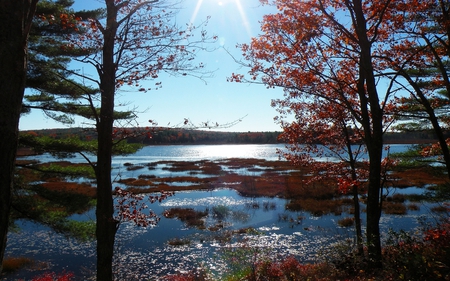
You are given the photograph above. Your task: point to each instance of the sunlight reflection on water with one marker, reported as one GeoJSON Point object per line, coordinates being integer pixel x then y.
{"type": "Point", "coordinates": [143, 253]}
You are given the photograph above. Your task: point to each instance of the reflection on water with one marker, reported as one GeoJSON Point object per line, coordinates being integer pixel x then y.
{"type": "Point", "coordinates": [199, 152]}
{"type": "Point", "coordinates": [143, 253]}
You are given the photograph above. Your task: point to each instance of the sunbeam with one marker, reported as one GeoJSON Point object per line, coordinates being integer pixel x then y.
{"type": "Point", "coordinates": [243, 17]}
{"type": "Point", "coordinates": [222, 4]}
{"type": "Point", "coordinates": [197, 8]}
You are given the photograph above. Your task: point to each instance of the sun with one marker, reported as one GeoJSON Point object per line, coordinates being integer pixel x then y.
{"type": "Point", "coordinates": [222, 3]}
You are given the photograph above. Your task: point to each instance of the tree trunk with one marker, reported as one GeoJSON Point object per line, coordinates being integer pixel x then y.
{"type": "Point", "coordinates": [373, 135]}
{"type": "Point", "coordinates": [355, 192]}
{"type": "Point", "coordinates": [15, 18]}
{"type": "Point", "coordinates": [106, 224]}
{"type": "Point", "coordinates": [373, 211]}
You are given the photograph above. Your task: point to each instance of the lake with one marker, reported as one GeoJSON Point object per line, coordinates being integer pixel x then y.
{"type": "Point", "coordinates": [144, 253]}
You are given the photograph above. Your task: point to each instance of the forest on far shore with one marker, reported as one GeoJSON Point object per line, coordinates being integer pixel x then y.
{"type": "Point", "coordinates": [165, 136]}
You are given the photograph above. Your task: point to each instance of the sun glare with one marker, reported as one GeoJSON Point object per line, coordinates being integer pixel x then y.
{"type": "Point", "coordinates": [237, 3]}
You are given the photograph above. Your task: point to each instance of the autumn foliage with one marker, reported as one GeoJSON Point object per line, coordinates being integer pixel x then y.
{"type": "Point", "coordinates": [133, 207]}
{"type": "Point", "coordinates": [51, 276]}
{"type": "Point", "coordinates": [343, 66]}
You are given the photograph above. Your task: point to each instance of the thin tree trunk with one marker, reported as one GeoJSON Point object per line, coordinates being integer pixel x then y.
{"type": "Point", "coordinates": [357, 216]}
{"type": "Point", "coordinates": [15, 18]}
{"type": "Point", "coordinates": [357, 211]}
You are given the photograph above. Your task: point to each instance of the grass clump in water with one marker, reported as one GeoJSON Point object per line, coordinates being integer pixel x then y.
{"type": "Point", "coordinates": [15, 263]}
{"type": "Point", "coordinates": [346, 222]}
{"type": "Point", "coordinates": [191, 217]}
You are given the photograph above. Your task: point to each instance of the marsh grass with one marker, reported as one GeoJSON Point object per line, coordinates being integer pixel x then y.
{"type": "Point", "coordinates": [394, 208]}
{"type": "Point", "coordinates": [397, 198]}
{"type": "Point", "coordinates": [440, 209]}
{"type": "Point", "coordinates": [135, 167]}
{"type": "Point", "coordinates": [189, 216]}
{"type": "Point", "coordinates": [179, 242]}
{"type": "Point", "coordinates": [203, 166]}
{"type": "Point", "coordinates": [272, 182]}
{"type": "Point", "coordinates": [15, 263]}
{"type": "Point", "coordinates": [316, 207]}
{"type": "Point", "coordinates": [136, 182]}
{"type": "Point", "coordinates": [420, 177]}
{"type": "Point", "coordinates": [346, 222]}
{"type": "Point", "coordinates": [413, 207]}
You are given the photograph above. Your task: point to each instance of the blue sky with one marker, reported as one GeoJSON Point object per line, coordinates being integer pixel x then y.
{"type": "Point", "coordinates": [233, 21]}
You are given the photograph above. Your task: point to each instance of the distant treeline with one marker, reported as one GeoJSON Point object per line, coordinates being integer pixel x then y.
{"type": "Point", "coordinates": [207, 137]}
{"type": "Point", "coordinates": [415, 137]}
{"type": "Point", "coordinates": [158, 136]}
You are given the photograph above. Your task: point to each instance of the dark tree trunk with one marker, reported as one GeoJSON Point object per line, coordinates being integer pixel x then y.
{"type": "Point", "coordinates": [373, 211]}
{"type": "Point", "coordinates": [106, 224]}
{"type": "Point", "coordinates": [373, 135]}
{"type": "Point", "coordinates": [15, 19]}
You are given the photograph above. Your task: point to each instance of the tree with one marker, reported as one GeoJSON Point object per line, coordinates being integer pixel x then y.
{"type": "Point", "coordinates": [421, 56]}
{"type": "Point", "coordinates": [15, 23]}
{"type": "Point", "coordinates": [53, 91]}
{"type": "Point", "coordinates": [323, 129]}
{"type": "Point", "coordinates": [326, 50]}
{"type": "Point", "coordinates": [135, 41]}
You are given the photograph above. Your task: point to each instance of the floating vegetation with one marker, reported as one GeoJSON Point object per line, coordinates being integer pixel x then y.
{"type": "Point", "coordinates": [316, 207]}
{"type": "Point", "coordinates": [397, 198]}
{"type": "Point", "coordinates": [413, 207]}
{"type": "Point", "coordinates": [191, 217]}
{"type": "Point", "coordinates": [216, 227]}
{"type": "Point", "coordinates": [15, 263]}
{"type": "Point", "coordinates": [440, 209]}
{"type": "Point", "coordinates": [135, 167]}
{"type": "Point", "coordinates": [147, 177]}
{"type": "Point", "coordinates": [179, 242]}
{"type": "Point", "coordinates": [346, 222]}
{"type": "Point", "coordinates": [394, 208]}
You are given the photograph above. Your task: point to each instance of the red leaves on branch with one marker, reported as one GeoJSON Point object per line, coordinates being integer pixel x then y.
{"type": "Point", "coordinates": [315, 56]}
{"type": "Point", "coordinates": [345, 185]}
{"type": "Point", "coordinates": [133, 208]}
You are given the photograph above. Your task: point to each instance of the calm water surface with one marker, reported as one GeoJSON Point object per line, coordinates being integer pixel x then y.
{"type": "Point", "coordinates": [143, 253]}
